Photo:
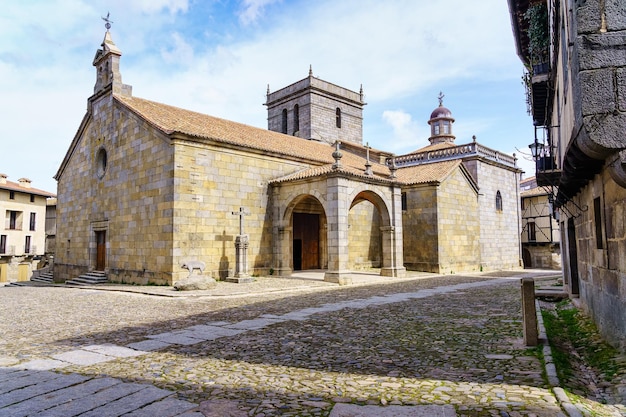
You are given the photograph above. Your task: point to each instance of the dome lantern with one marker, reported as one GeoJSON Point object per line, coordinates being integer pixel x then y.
{"type": "Point", "coordinates": [441, 124]}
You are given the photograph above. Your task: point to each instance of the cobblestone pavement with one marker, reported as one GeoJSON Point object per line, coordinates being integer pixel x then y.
{"type": "Point", "coordinates": [298, 347]}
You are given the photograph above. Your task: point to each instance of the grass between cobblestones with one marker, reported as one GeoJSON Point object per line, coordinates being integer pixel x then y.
{"type": "Point", "coordinates": [586, 365]}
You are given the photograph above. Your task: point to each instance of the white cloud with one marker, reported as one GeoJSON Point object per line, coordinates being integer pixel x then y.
{"type": "Point", "coordinates": [251, 10]}
{"type": "Point", "coordinates": [402, 52]}
{"type": "Point", "coordinates": [406, 133]}
{"type": "Point", "coordinates": [155, 6]}
{"type": "Point", "coordinates": [181, 53]}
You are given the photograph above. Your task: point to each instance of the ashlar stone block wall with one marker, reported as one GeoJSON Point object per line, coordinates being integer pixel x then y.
{"type": "Point", "coordinates": [420, 226]}
{"type": "Point", "coordinates": [131, 200]}
{"type": "Point", "coordinates": [500, 230]}
{"type": "Point", "coordinates": [211, 182]}
{"type": "Point", "coordinates": [459, 225]}
{"type": "Point", "coordinates": [601, 260]}
{"type": "Point", "coordinates": [364, 236]}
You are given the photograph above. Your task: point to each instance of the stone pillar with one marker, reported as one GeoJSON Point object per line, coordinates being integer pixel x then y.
{"type": "Point", "coordinates": [241, 260]}
{"type": "Point", "coordinates": [393, 253]}
{"type": "Point", "coordinates": [283, 251]}
{"type": "Point", "coordinates": [529, 313]}
{"type": "Point", "coordinates": [337, 230]}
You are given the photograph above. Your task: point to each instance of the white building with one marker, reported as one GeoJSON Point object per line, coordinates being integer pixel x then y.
{"type": "Point", "coordinates": [22, 240]}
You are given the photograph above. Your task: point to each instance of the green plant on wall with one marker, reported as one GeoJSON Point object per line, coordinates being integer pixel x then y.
{"type": "Point", "coordinates": [538, 38]}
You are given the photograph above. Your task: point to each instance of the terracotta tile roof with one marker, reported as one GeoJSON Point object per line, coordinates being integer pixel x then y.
{"type": "Point", "coordinates": [534, 192]}
{"type": "Point", "coordinates": [14, 186]}
{"type": "Point", "coordinates": [170, 119]}
{"type": "Point", "coordinates": [326, 169]}
{"type": "Point", "coordinates": [422, 174]}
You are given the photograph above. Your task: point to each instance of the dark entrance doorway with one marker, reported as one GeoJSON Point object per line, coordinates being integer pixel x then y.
{"type": "Point", "coordinates": [306, 241]}
{"type": "Point", "coordinates": [100, 250]}
{"type": "Point", "coordinates": [526, 258]}
{"type": "Point", "coordinates": [573, 257]}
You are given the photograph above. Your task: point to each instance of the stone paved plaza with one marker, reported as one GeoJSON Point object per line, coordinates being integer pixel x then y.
{"type": "Point", "coordinates": [420, 346]}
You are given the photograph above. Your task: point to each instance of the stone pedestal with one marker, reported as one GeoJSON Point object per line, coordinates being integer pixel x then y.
{"type": "Point", "coordinates": [338, 277]}
{"type": "Point", "coordinates": [393, 272]}
{"type": "Point", "coordinates": [529, 312]}
{"type": "Point", "coordinates": [241, 261]}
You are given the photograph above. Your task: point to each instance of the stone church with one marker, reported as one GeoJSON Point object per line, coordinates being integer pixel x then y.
{"type": "Point", "coordinates": [145, 187]}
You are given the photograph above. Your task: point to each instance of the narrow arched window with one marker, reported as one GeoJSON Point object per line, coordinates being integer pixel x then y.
{"type": "Point", "coordinates": [296, 119]}
{"type": "Point", "coordinates": [498, 201]}
{"type": "Point", "coordinates": [284, 122]}
{"type": "Point", "coordinates": [338, 117]}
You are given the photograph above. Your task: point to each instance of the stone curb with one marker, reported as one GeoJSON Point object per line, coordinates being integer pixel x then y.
{"type": "Point", "coordinates": [550, 369]}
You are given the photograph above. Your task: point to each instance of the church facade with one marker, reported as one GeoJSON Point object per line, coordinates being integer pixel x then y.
{"type": "Point", "coordinates": [146, 187]}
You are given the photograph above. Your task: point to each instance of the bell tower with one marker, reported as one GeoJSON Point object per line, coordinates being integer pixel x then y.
{"type": "Point", "coordinates": [315, 109]}
{"type": "Point", "coordinates": [107, 63]}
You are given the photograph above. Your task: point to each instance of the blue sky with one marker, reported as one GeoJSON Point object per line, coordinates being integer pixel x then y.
{"type": "Point", "coordinates": [218, 57]}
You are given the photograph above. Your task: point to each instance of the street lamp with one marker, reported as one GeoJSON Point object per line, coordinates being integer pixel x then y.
{"type": "Point", "coordinates": [536, 149]}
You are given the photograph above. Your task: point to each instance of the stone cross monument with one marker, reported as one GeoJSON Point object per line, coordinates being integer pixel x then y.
{"type": "Point", "coordinates": [241, 251]}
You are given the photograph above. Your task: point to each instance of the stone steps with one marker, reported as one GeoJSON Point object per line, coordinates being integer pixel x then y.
{"type": "Point", "coordinates": [45, 277]}
{"type": "Point", "coordinates": [89, 278]}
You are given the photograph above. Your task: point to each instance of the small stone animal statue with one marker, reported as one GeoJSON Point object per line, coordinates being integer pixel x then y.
{"type": "Point", "coordinates": [191, 265]}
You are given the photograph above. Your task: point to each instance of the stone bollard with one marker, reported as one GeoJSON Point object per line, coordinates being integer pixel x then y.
{"type": "Point", "coordinates": [529, 313]}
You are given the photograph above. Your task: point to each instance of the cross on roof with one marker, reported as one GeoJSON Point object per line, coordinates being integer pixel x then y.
{"type": "Point", "coordinates": [440, 97]}
{"type": "Point", "coordinates": [108, 21]}
{"type": "Point", "coordinates": [242, 212]}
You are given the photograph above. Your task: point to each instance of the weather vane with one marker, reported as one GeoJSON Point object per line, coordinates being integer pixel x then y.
{"type": "Point", "coordinates": [108, 21]}
{"type": "Point", "coordinates": [440, 97]}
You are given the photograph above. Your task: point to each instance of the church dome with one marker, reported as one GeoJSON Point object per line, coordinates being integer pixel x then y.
{"type": "Point", "coordinates": [441, 112]}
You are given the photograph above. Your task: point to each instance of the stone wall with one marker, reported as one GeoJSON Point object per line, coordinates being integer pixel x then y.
{"type": "Point", "coordinates": [364, 237]}
{"type": "Point", "coordinates": [592, 70]}
{"type": "Point", "coordinates": [420, 226]}
{"type": "Point", "coordinates": [459, 226]}
{"type": "Point", "coordinates": [211, 182]}
{"type": "Point", "coordinates": [602, 270]}
{"type": "Point", "coordinates": [160, 204]}
{"type": "Point", "coordinates": [500, 230]}
{"type": "Point", "coordinates": [131, 199]}
{"type": "Point", "coordinates": [546, 256]}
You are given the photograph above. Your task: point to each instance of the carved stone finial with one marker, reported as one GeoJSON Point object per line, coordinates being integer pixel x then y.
{"type": "Point", "coordinates": [268, 90]}
{"type": "Point", "coordinates": [392, 168]}
{"type": "Point", "coordinates": [108, 21]}
{"type": "Point", "coordinates": [368, 165]}
{"type": "Point", "coordinates": [310, 70]}
{"type": "Point", "coordinates": [361, 93]}
{"type": "Point", "coordinates": [337, 156]}
{"type": "Point", "coordinates": [474, 138]}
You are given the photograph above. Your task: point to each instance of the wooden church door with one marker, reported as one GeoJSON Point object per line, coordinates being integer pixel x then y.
{"type": "Point", "coordinates": [306, 242]}
{"type": "Point", "coordinates": [100, 250]}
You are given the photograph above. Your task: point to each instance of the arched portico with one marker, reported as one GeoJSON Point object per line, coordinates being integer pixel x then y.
{"type": "Point", "coordinates": [390, 227]}
{"type": "Point", "coordinates": [330, 197]}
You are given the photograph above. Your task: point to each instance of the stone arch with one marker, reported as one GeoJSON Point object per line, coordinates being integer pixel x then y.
{"type": "Point", "coordinates": [305, 243]}
{"type": "Point", "coordinates": [364, 233]}
{"type": "Point", "coordinates": [296, 198]}
{"type": "Point", "coordinates": [374, 198]}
